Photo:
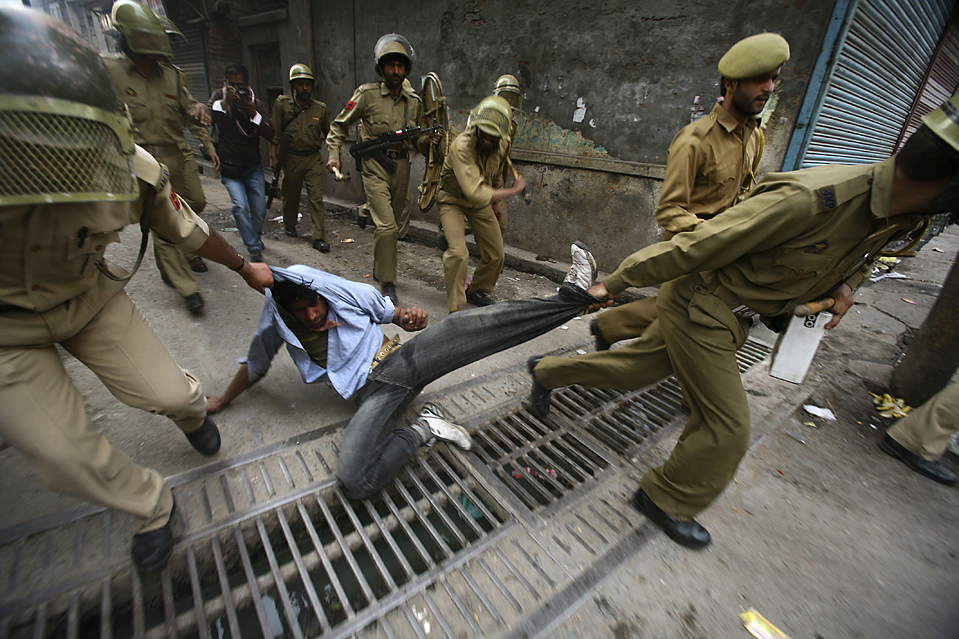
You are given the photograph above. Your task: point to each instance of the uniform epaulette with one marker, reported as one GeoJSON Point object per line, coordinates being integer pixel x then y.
{"type": "Point", "coordinates": [368, 86]}
{"type": "Point", "coordinates": [838, 193]}
{"type": "Point", "coordinates": [149, 170]}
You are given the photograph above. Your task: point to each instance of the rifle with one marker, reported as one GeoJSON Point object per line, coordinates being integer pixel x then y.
{"type": "Point", "coordinates": [377, 146]}
{"type": "Point", "coordinates": [274, 190]}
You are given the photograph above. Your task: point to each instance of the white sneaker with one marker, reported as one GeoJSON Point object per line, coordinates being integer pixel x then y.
{"type": "Point", "coordinates": [433, 418]}
{"type": "Point", "coordinates": [583, 271]}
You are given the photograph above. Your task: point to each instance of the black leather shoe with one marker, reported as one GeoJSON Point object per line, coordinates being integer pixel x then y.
{"type": "Point", "coordinates": [479, 298]}
{"type": "Point", "coordinates": [256, 255]}
{"type": "Point", "coordinates": [150, 550]}
{"type": "Point", "coordinates": [195, 304]}
{"type": "Point", "coordinates": [291, 232]}
{"type": "Point", "coordinates": [539, 397]}
{"type": "Point", "coordinates": [931, 469]}
{"type": "Point", "coordinates": [321, 245]}
{"type": "Point", "coordinates": [406, 238]}
{"type": "Point", "coordinates": [360, 220]}
{"type": "Point", "coordinates": [197, 265]}
{"type": "Point", "coordinates": [686, 533]}
{"type": "Point", "coordinates": [601, 343]}
{"type": "Point", "coordinates": [206, 438]}
{"type": "Point", "coordinates": [389, 290]}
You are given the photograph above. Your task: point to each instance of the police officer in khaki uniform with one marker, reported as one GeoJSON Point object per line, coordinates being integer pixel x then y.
{"type": "Point", "coordinates": [471, 189]}
{"type": "Point", "coordinates": [160, 104]}
{"type": "Point", "coordinates": [799, 237]}
{"type": "Point", "coordinates": [382, 107]}
{"type": "Point", "coordinates": [507, 87]}
{"type": "Point", "coordinates": [920, 438]}
{"type": "Point", "coordinates": [66, 192]}
{"type": "Point", "coordinates": [307, 122]}
{"type": "Point", "coordinates": [711, 163]}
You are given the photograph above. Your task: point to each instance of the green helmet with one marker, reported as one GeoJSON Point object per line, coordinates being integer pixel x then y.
{"type": "Point", "coordinates": [507, 87]}
{"type": "Point", "coordinates": [493, 116]}
{"type": "Point", "coordinates": [301, 72]}
{"type": "Point", "coordinates": [393, 44]}
{"type": "Point", "coordinates": [944, 121]}
{"type": "Point", "coordinates": [169, 28]}
{"type": "Point", "coordinates": [142, 29]}
{"type": "Point", "coordinates": [63, 137]}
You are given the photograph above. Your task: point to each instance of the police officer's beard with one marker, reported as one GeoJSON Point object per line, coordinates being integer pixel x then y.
{"type": "Point", "coordinates": [394, 81]}
{"type": "Point", "coordinates": [744, 104]}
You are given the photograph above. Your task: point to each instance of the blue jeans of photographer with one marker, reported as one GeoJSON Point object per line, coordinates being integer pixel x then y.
{"type": "Point", "coordinates": [249, 206]}
{"type": "Point", "coordinates": [374, 449]}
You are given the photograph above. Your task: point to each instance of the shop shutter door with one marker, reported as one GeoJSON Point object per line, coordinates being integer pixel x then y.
{"type": "Point", "coordinates": [876, 79]}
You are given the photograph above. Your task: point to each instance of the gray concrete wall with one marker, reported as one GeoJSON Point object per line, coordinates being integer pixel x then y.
{"type": "Point", "coordinates": [642, 70]}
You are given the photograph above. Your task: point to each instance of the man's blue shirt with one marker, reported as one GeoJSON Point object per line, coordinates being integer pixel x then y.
{"type": "Point", "coordinates": [359, 308]}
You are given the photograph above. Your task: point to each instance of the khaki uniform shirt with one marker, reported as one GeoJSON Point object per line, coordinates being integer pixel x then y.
{"type": "Point", "coordinates": [160, 106]}
{"type": "Point", "coordinates": [50, 253]}
{"type": "Point", "coordinates": [378, 112]}
{"type": "Point", "coordinates": [709, 164]}
{"type": "Point", "coordinates": [307, 131]}
{"type": "Point", "coordinates": [796, 238]}
{"type": "Point", "coordinates": [470, 175]}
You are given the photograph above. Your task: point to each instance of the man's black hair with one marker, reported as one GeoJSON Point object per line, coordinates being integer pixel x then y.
{"type": "Point", "coordinates": [238, 69]}
{"type": "Point", "coordinates": [925, 157]}
{"type": "Point", "coordinates": [286, 293]}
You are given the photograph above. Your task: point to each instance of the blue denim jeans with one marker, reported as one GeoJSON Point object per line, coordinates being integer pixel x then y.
{"type": "Point", "coordinates": [374, 449]}
{"type": "Point", "coordinates": [249, 206]}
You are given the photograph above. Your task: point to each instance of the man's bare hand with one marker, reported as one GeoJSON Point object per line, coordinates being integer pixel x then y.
{"type": "Point", "coordinates": [519, 184]}
{"type": "Point", "coordinates": [410, 319]}
{"type": "Point", "coordinates": [435, 137]}
{"type": "Point", "coordinates": [214, 405]}
{"type": "Point", "coordinates": [599, 290]}
{"type": "Point", "coordinates": [215, 159]}
{"type": "Point", "coordinates": [201, 113]}
{"type": "Point", "coordinates": [844, 302]}
{"type": "Point", "coordinates": [333, 162]}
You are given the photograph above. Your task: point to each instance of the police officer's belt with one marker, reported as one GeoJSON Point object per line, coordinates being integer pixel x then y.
{"type": "Point", "coordinates": [738, 309]}
{"type": "Point", "coordinates": [303, 154]}
{"type": "Point", "coordinates": [395, 155]}
{"type": "Point", "coordinates": [388, 348]}
{"type": "Point", "coordinates": [160, 150]}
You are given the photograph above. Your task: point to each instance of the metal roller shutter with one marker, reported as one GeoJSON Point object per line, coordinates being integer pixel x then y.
{"type": "Point", "coordinates": [876, 79]}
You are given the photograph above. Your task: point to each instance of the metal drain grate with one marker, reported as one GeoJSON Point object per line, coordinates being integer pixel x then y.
{"type": "Point", "coordinates": [540, 461]}
{"type": "Point", "coordinates": [298, 567]}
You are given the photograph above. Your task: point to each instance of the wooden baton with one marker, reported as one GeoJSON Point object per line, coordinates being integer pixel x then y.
{"type": "Point", "coordinates": [813, 307]}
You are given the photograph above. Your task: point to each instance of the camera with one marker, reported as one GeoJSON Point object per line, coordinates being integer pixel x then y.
{"type": "Point", "coordinates": [242, 91]}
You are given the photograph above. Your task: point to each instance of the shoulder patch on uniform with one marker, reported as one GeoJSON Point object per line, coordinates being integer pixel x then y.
{"type": "Point", "coordinates": [350, 106]}
{"type": "Point", "coordinates": [817, 248]}
{"type": "Point", "coordinates": [828, 196]}
{"type": "Point", "coordinates": [175, 199]}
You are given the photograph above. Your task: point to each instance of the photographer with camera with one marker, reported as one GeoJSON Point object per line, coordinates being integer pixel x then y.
{"type": "Point", "coordinates": [241, 120]}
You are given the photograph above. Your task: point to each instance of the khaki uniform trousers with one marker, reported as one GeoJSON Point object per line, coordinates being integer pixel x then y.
{"type": "Point", "coordinates": [489, 240]}
{"type": "Point", "coordinates": [696, 337]}
{"type": "Point", "coordinates": [927, 429]}
{"type": "Point", "coordinates": [388, 196]}
{"type": "Point", "coordinates": [628, 320]}
{"type": "Point", "coordinates": [297, 170]}
{"type": "Point", "coordinates": [185, 179]}
{"type": "Point", "coordinates": [42, 413]}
